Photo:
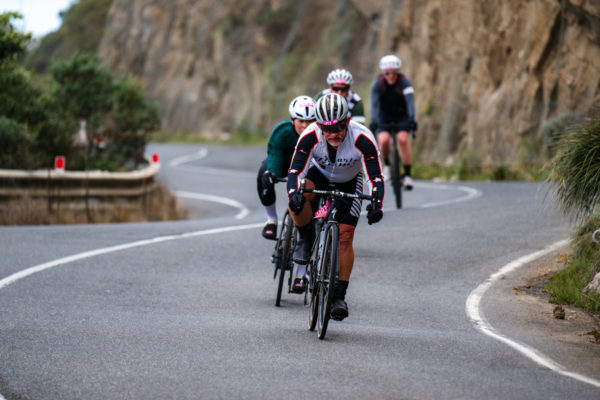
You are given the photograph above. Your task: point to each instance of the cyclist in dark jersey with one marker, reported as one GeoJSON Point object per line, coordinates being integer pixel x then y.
{"type": "Point", "coordinates": [339, 81]}
{"type": "Point", "coordinates": [393, 112]}
{"type": "Point", "coordinates": [335, 150]}
{"type": "Point", "coordinates": [280, 149]}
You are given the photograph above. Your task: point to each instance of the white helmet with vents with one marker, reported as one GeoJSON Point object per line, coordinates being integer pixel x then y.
{"type": "Point", "coordinates": [331, 109]}
{"type": "Point", "coordinates": [302, 107]}
{"type": "Point", "coordinates": [339, 76]}
{"type": "Point", "coordinates": [389, 62]}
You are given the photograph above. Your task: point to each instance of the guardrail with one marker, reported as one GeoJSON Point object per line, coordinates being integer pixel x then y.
{"type": "Point", "coordinates": [78, 184]}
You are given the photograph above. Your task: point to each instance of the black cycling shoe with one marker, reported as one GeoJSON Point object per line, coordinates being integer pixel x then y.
{"type": "Point", "coordinates": [270, 230]}
{"type": "Point", "coordinates": [339, 310]}
{"type": "Point", "coordinates": [299, 285]}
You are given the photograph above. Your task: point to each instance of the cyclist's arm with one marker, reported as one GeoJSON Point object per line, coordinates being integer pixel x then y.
{"type": "Point", "coordinates": [301, 159]}
{"type": "Point", "coordinates": [374, 101]}
{"type": "Point", "coordinates": [371, 163]}
{"type": "Point", "coordinates": [409, 96]}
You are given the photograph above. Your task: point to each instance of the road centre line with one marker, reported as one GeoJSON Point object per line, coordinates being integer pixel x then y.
{"type": "Point", "coordinates": [105, 250]}
{"type": "Point", "coordinates": [476, 316]}
{"type": "Point", "coordinates": [203, 152]}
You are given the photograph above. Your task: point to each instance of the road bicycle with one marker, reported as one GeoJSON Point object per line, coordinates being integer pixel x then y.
{"type": "Point", "coordinates": [322, 269]}
{"type": "Point", "coordinates": [397, 177]}
{"type": "Point", "coordinates": [282, 255]}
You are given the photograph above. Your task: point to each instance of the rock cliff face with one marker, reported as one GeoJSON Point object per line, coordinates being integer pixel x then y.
{"type": "Point", "coordinates": [486, 74]}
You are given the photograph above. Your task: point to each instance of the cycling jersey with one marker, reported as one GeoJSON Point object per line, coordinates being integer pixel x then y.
{"type": "Point", "coordinates": [392, 103]}
{"type": "Point", "coordinates": [356, 108]}
{"type": "Point", "coordinates": [281, 148]}
{"type": "Point", "coordinates": [357, 152]}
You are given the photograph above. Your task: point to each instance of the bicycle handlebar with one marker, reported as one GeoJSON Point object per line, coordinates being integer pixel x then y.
{"type": "Point", "coordinates": [338, 193]}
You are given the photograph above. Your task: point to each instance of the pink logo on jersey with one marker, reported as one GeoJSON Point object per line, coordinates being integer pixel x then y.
{"type": "Point", "coordinates": [335, 121]}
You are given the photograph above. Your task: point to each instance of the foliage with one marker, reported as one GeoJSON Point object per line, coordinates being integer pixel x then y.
{"type": "Point", "coordinates": [81, 30]}
{"type": "Point", "coordinates": [84, 87]}
{"type": "Point", "coordinates": [12, 42]}
{"type": "Point", "coordinates": [38, 118]}
{"type": "Point", "coordinates": [119, 117]}
{"type": "Point", "coordinates": [575, 170]}
{"type": "Point", "coordinates": [552, 129]}
{"type": "Point", "coordinates": [567, 285]}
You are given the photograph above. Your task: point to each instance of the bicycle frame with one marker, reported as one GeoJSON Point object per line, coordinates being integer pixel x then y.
{"type": "Point", "coordinates": [322, 282]}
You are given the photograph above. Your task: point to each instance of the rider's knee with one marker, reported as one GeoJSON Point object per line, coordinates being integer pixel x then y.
{"type": "Point", "coordinates": [346, 239]}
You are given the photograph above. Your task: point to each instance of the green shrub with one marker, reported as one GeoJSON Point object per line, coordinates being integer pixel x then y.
{"type": "Point", "coordinates": [575, 171]}
{"type": "Point", "coordinates": [554, 128]}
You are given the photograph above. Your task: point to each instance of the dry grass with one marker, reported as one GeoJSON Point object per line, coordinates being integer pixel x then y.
{"type": "Point", "coordinates": [159, 205]}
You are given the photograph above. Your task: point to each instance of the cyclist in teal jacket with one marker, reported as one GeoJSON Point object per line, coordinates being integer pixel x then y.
{"type": "Point", "coordinates": [279, 155]}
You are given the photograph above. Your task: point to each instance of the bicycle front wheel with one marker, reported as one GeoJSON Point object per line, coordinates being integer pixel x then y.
{"type": "Point", "coordinates": [284, 259]}
{"type": "Point", "coordinates": [328, 276]}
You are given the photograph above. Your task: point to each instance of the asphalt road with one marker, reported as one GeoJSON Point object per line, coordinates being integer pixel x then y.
{"type": "Point", "coordinates": [185, 310]}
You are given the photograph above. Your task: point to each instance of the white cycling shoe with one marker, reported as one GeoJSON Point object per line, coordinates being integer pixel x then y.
{"type": "Point", "coordinates": [408, 183]}
{"type": "Point", "coordinates": [386, 173]}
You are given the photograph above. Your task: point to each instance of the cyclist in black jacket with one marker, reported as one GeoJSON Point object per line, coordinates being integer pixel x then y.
{"type": "Point", "coordinates": [393, 112]}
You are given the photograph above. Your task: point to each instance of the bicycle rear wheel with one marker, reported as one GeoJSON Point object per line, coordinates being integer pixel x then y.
{"type": "Point", "coordinates": [284, 253]}
{"type": "Point", "coordinates": [396, 177]}
{"type": "Point", "coordinates": [327, 276]}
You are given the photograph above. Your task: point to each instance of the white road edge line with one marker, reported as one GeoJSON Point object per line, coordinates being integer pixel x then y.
{"type": "Point", "coordinates": [479, 321]}
{"type": "Point", "coordinates": [217, 199]}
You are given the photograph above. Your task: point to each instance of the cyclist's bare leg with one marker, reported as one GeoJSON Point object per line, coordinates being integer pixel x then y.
{"type": "Point", "coordinates": [346, 251]}
{"type": "Point", "coordinates": [383, 140]}
{"type": "Point", "coordinates": [306, 214]}
{"type": "Point", "coordinates": [405, 150]}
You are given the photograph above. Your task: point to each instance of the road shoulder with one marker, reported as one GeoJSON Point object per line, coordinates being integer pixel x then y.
{"type": "Point", "coordinates": [518, 308]}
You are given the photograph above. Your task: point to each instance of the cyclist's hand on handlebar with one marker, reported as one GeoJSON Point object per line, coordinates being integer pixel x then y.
{"type": "Point", "coordinates": [374, 215]}
{"type": "Point", "coordinates": [412, 125]}
{"type": "Point", "coordinates": [296, 202]}
{"type": "Point", "coordinates": [268, 179]}
{"type": "Point", "coordinates": [373, 127]}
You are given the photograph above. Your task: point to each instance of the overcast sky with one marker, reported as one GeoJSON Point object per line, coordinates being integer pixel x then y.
{"type": "Point", "coordinates": [39, 16]}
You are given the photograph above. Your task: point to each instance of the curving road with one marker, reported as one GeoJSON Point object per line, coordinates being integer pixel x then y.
{"type": "Point", "coordinates": [185, 310]}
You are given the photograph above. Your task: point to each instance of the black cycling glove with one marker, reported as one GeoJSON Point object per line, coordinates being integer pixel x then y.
{"type": "Point", "coordinates": [295, 202]}
{"type": "Point", "coordinates": [374, 215]}
{"type": "Point", "coordinates": [373, 126]}
{"type": "Point", "coordinates": [412, 125]}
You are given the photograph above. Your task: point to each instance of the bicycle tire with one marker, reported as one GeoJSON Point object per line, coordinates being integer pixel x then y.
{"type": "Point", "coordinates": [396, 177]}
{"type": "Point", "coordinates": [313, 305]}
{"type": "Point", "coordinates": [327, 279]}
{"type": "Point", "coordinates": [284, 253]}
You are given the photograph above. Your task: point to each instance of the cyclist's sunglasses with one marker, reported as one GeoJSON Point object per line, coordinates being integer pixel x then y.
{"type": "Point", "coordinates": [334, 128]}
{"type": "Point", "coordinates": [390, 72]}
{"type": "Point", "coordinates": [340, 88]}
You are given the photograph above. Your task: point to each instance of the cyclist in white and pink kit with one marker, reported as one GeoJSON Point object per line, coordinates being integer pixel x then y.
{"type": "Point", "coordinates": [333, 151]}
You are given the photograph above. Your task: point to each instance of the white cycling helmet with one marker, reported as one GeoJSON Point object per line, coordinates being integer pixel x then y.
{"type": "Point", "coordinates": [331, 109]}
{"type": "Point", "coordinates": [339, 76]}
{"type": "Point", "coordinates": [302, 107]}
{"type": "Point", "coordinates": [389, 62]}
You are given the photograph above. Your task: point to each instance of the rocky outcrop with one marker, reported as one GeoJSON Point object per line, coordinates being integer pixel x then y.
{"type": "Point", "coordinates": [486, 74]}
